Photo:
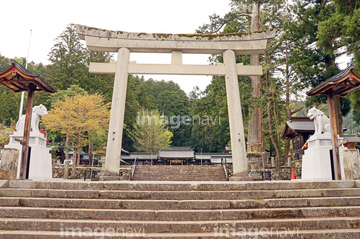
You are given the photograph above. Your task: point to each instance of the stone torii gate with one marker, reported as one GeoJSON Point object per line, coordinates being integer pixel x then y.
{"type": "Point", "coordinates": [229, 45]}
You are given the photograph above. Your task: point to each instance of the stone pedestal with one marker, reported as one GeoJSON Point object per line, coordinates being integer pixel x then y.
{"type": "Point", "coordinates": [40, 165]}
{"type": "Point", "coordinates": [316, 163]}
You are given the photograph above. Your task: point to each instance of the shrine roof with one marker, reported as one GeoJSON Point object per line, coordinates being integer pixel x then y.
{"type": "Point", "coordinates": [298, 125]}
{"type": "Point", "coordinates": [177, 152]}
{"type": "Point", "coordinates": [343, 83]}
{"type": "Point", "coordinates": [18, 78]}
{"type": "Point", "coordinates": [350, 138]}
{"type": "Point", "coordinates": [140, 156]}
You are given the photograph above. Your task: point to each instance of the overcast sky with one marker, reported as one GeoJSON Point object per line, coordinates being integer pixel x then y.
{"type": "Point", "coordinates": [47, 19]}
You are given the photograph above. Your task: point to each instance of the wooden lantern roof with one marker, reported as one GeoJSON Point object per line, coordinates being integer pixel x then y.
{"type": "Point", "coordinates": [345, 82]}
{"type": "Point", "coordinates": [18, 78]}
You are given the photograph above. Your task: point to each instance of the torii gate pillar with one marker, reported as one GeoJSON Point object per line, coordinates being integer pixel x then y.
{"type": "Point", "coordinates": [114, 141]}
{"type": "Point", "coordinates": [235, 115]}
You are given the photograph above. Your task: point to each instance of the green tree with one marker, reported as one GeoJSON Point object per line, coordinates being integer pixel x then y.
{"type": "Point", "coordinates": [165, 97]}
{"type": "Point", "coordinates": [99, 83]}
{"type": "Point", "coordinates": [69, 60]}
{"type": "Point", "coordinates": [339, 35]}
{"type": "Point", "coordinates": [71, 92]}
{"type": "Point", "coordinates": [245, 16]}
{"type": "Point", "coordinates": [213, 135]}
{"type": "Point", "coordinates": [19, 60]}
{"type": "Point", "coordinates": [149, 132]}
{"type": "Point", "coordinates": [4, 63]}
{"type": "Point", "coordinates": [10, 104]}
{"type": "Point", "coordinates": [9, 100]}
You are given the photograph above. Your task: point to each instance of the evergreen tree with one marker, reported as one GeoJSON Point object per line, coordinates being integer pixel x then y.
{"type": "Point", "coordinates": [99, 83]}
{"type": "Point", "coordinates": [4, 63]}
{"type": "Point", "coordinates": [338, 35]}
{"type": "Point", "coordinates": [150, 133]}
{"type": "Point", "coordinates": [69, 61]}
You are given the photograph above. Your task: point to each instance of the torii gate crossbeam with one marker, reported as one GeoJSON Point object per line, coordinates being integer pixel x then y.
{"type": "Point", "coordinates": [229, 45]}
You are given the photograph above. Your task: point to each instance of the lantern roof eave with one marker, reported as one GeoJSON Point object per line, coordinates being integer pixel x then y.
{"type": "Point", "coordinates": [342, 84]}
{"type": "Point", "coordinates": [18, 78]}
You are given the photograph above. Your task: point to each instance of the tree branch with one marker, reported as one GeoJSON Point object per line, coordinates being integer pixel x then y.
{"type": "Point", "coordinates": [245, 14]}
{"type": "Point", "coordinates": [297, 110]}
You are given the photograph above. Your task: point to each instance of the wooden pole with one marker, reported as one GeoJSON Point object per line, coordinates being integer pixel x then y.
{"type": "Point", "coordinates": [255, 123]}
{"type": "Point", "coordinates": [339, 123]}
{"type": "Point", "coordinates": [25, 142]}
{"type": "Point", "coordinates": [334, 134]}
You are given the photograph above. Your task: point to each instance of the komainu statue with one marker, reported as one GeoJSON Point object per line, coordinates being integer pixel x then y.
{"type": "Point", "coordinates": [321, 121]}
{"type": "Point", "coordinates": [38, 111]}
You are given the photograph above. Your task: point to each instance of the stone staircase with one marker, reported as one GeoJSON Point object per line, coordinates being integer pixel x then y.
{"type": "Point", "coordinates": [179, 173]}
{"type": "Point", "coordinates": [127, 209]}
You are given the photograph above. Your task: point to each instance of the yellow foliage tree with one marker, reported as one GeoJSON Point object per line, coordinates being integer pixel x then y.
{"type": "Point", "coordinates": [79, 117]}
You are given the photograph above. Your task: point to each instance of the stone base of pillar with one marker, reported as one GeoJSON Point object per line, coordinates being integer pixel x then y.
{"type": "Point", "coordinates": [109, 176]}
{"type": "Point", "coordinates": [241, 177]}
{"type": "Point", "coordinates": [256, 176]}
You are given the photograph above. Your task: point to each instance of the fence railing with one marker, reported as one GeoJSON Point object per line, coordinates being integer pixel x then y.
{"type": "Point", "coordinates": [223, 163]}
{"type": "Point", "coordinates": [133, 169]}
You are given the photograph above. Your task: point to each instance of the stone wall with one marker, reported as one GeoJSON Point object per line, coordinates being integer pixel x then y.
{"type": "Point", "coordinates": [277, 173]}
{"type": "Point", "coordinates": [125, 173]}
{"type": "Point", "coordinates": [58, 172]}
{"type": "Point", "coordinates": [280, 173]}
{"type": "Point", "coordinates": [283, 173]}
{"type": "Point", "coordinates": [9, 163]}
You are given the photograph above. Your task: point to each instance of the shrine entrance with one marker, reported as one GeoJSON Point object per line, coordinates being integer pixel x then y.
{"type": "Point", "coordinates": [229, 45]}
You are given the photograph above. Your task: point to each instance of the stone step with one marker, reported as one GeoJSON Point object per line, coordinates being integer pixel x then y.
{"type": "Point", "coordinates": [180, 195]}
{"type": "Point", "coordinates": [18, 224]}
{"type": "Point", "coordinates": [198, 171]}
{"type": "Point", "coordinates": [178, 204]}
{"type": "Point", "coordinates": [179, 178]}
{"type": "Point", "coordinates": [181, 167]}
{"type": "Point", "coordinates": [180, 209]}
{"type": "Point", "coordinates": [309, 234]}
{"type": "Point", "coordinates": [177, 215]}
{"type": "Point", "coordinates": [179, 173]}
{"type": "Point", "coordinates": [197, 176]}
{"type": "Point", "coordinates": [178, 169]}
{"type": "Point", "coordinates": [181, 186]}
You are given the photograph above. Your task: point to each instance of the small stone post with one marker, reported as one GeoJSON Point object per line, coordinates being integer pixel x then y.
{"type": "Point", "coordinates": [66, 170]}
